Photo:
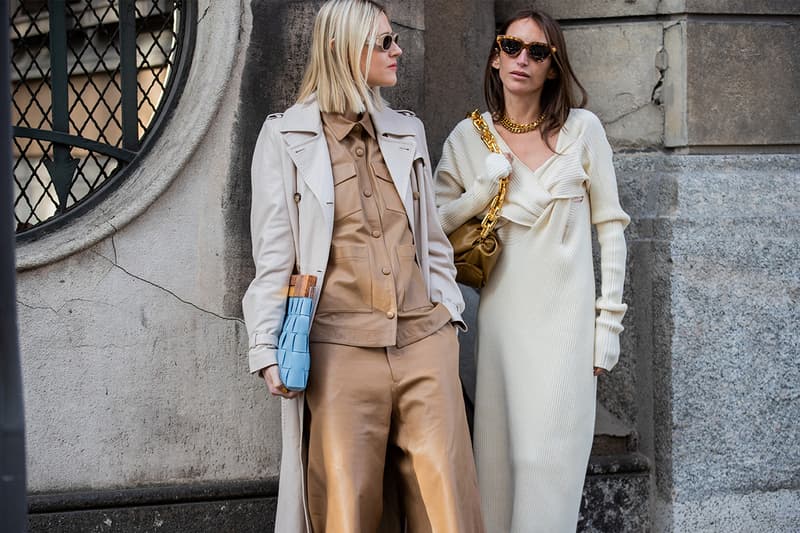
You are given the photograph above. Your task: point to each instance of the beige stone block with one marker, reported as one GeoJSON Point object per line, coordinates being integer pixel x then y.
{"type": "Point", "coordinates": [576, 9]}
{"type": "Point", "coordinates": [733, 83]}
{"type": "Point", "coordinates": [617, 64]}
{"type": "Point", "coordinates": [581, 9]}
{"type": "Point", "coordinates": [744, 7]}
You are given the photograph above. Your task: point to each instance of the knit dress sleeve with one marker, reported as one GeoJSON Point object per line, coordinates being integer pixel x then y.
{"type": "Point", "coordinates": [610, 221]}
{"type": "Point", "coordinates": [460, 195]}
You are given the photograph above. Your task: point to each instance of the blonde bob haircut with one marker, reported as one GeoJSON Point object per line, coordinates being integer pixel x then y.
{"type": "Point", "coordinates": [341, 30]}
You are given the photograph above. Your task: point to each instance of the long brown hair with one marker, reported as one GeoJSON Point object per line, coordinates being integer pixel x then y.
{"type": "Point", "coordinates": [558, 94]}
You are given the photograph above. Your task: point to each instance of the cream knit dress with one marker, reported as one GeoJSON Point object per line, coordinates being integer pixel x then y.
{"type": "Point", "coordinates": [540, 329]}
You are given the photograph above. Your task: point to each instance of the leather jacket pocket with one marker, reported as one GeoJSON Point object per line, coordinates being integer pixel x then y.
{"type": "Point", "coordinates": [348, 284]}
{"type": "Point", "coordinates": [411, 291]}
{"type": "Point", "coordinates": [388, 190]}
{"type": "Point", "coordinates": [347, 200]}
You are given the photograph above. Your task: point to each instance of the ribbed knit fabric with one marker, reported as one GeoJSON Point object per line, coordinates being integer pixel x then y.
{"type": "Point", "coordinates": [538, 331]}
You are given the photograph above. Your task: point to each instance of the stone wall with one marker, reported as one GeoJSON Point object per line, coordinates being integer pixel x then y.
{"type": "Point", "coordinates": [714, 288]}
{"type": "Point", "coordinates": [735, 381]}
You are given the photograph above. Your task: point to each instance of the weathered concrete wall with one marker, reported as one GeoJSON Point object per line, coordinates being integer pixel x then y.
{"type": "Point", "coordinates": [621, 67]}
{"type": "Point", "coordinates": [456, 47]}
{"type": "Point", "coordinates": [133, 367]}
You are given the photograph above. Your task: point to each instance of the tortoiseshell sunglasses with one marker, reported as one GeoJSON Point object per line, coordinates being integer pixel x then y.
{"type": "Point", "coordinates": [514, 45]}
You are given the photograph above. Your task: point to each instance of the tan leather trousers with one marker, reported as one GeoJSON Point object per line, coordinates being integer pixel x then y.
{"type": "Point", "coordinates": [373, 405]}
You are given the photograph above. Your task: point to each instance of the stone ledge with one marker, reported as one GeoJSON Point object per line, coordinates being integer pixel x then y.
{"type": "Point", "coordinates": [147, 496]}
{"type": "Point", "coordinates": [618, 503]}
{"type": "Point", "coordinates": [628, 463]}
{"type": "Point", "coordinates": [615, 498]}
{"type": "Point", "coordinates": [601, 9]}
{"type": "Point", "coordinates": [240, 506]}
{"type": "Point", "coordinates": [239, 516]}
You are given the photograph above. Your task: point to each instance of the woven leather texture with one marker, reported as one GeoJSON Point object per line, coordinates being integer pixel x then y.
{"type": "Point", "coordinates": [293, 357]}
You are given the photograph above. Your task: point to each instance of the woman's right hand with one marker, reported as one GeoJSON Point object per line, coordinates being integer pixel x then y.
{"type": "Point", "coordinates": [272, 377]}
{"type": "Point", "coordinates": [497, 166]}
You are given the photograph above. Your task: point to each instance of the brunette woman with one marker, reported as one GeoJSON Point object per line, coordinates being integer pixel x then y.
{"type": "Point", "coordinates": [543, 336]}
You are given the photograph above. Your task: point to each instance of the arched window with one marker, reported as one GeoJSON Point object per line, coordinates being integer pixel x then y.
{"type": "Point", "coordinates": [91, 82]}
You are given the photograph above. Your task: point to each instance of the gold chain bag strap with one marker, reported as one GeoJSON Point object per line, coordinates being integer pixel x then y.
{"type": "Point", "coordinates": [476, 247]}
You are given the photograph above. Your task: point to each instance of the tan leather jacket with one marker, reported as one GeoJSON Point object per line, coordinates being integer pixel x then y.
{"type": "Point", "coordinates": [292, 216]}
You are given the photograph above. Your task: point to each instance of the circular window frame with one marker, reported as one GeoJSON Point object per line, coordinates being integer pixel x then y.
{"type": "Point", "coordinates": [209, 57]}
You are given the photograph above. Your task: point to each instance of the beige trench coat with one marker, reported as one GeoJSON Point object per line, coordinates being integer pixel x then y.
{"type": "Point", "coordinates": [292, 215]}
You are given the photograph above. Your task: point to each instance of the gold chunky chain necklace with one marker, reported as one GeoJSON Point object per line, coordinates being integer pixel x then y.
{"type": "Point", "coordinates": [516, 127]}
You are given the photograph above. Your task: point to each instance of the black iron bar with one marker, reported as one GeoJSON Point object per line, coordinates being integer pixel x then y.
{"type": "Point", "coordinates": [74, 140]}
{"type": "Point", "coordinates": [13, 505]}
{"type": "Point", "coordinates": [128, 70]}
{"type": "Point", "coordinates": [62, 166]}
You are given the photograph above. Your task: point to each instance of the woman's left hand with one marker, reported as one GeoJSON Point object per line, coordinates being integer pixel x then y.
{"type": "Point", "coordinates": [599, 371]}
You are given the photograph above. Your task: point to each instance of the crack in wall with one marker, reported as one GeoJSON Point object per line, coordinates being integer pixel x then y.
{"type": "Point", "coordinates": [205, 12]}
{"type": "Point", "coordinates": [106, 346]}
{"type": "Point", "coordinates": [241, 28]}
{"type": "Point", "coordinates": [39, 307]}
{"type": "Point", "coordinates": [116, 264]}
{"type": "Point", "coordinates": [407, 26]}
{"type": "Point", "coordinates": [627, 113]}
{"type": "Point", "coordinates": [57, 310]}
{"type": "Point", "coordinates": [661, 64]}
{"type": "Point", "coordinates": [113, 243]}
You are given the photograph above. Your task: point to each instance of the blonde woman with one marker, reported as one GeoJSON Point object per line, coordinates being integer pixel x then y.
{"type": "Point", "coordinates": [543, 338]}
{"type": "Point", "coordinates": [344, 183]}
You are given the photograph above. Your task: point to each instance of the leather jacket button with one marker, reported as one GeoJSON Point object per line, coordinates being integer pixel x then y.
{"type": "Point", "coordinates": [386, 271]}
{"type": "Point", "coordinates": [390, 315]}
{"type": "Point", "coordinates": [376, 234]}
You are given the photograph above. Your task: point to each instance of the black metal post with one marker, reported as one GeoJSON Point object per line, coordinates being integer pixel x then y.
{"type": "Point", "coordinates": [62, 167]}
{"type": "Point", "coordinates": [128, 71]}
{"type": "Point", "coordinates": [13, 506]}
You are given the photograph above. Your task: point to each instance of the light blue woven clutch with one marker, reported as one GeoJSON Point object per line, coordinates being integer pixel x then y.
{"type": "Point", "coordinates": [293, 356]}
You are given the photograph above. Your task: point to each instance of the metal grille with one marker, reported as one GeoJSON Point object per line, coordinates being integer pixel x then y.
{"type": "Point", "coordinates": [90, 81]}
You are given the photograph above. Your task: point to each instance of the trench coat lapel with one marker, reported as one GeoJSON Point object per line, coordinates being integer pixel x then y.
{"type": "Point", "coordinates": [396, 137]}
{"type": "Point", "coordinates": [302, 131]}
{"type": "Point", "coordinates": [306, 145]}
